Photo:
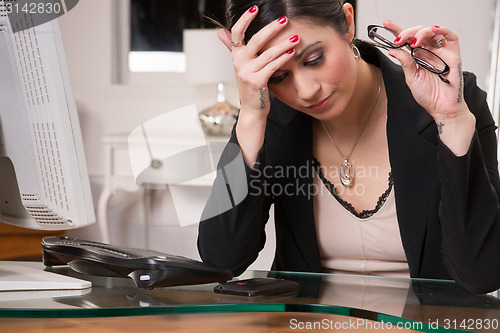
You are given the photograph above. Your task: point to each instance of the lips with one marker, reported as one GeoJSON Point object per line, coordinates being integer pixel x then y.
{"type": "Point", "coordinates": [320, 105]}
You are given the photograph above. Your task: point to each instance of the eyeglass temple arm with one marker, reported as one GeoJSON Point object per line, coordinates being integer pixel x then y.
{"type": "Point", "coordinates": [372, 35]}
{"type": "Point", "coordinates": [375, 44]}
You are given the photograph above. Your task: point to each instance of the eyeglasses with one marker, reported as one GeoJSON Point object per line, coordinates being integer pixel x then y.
{"type": "Point", "coordinates": [384, 38]}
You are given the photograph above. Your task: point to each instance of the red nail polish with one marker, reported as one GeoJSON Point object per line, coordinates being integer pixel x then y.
{"type": "Point", "coordinates": [294, 39]}
{"type": "Point", "coordinates": [253, 9]}
{"type": "Point", "coordinates": [397, 39]}
{"type": "Point", "coordinates": [437, 26]}
{"type": "Point", "coordinates": [414, 41]}
{"type": "Point", "coordinates": [291, 51]}
{"type": "Point", "coordinates": [282, 20]}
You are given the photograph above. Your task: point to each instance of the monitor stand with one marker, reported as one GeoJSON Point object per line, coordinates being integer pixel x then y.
{"type": "Point", "coordinates": [30, 276]}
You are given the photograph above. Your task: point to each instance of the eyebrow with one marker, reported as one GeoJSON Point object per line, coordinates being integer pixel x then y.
{"type": "Point", "coordinates": [301, 53]}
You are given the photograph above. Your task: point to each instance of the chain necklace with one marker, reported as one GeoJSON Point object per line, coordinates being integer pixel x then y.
{"type": "Point", "coordinates": [346, 172]}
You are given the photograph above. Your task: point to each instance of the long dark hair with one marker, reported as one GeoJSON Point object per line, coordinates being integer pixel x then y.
{"type": "Point", "coordinates": [322, 12]}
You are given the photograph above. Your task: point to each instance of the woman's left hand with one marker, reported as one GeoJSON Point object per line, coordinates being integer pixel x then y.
{"type": "Point", "coordinates": [443, 101]}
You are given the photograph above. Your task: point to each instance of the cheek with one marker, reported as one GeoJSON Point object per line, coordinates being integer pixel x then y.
{"type": "Point", "coordinates": [340, 69]}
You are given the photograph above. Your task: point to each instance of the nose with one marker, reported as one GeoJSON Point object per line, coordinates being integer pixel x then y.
{"type": "Point", "coordinates": [307, 87]}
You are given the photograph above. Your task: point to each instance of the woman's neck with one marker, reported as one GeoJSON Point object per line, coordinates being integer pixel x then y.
{"type": "Point", "coordinates": [361, 104]}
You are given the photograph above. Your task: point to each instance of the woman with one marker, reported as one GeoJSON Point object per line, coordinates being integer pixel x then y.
{"type": "Point", "coordinates": [401, 174]}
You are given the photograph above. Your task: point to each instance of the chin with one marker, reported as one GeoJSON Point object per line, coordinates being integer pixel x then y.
{"type": "Point", "coordinates": [324, 114]}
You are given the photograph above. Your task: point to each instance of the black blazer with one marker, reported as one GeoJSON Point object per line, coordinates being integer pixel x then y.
{"type": "Point", "coordinates": [447, 206]}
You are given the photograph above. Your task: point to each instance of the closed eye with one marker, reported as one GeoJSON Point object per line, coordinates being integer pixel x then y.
{"type": "Point", "coordinates": [318, 58]}
{"type": "Point", "coordinates": [275, 79]}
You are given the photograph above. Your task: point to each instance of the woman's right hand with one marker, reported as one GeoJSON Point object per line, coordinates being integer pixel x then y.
{"type": "Point", "coordinates": [253, 67]}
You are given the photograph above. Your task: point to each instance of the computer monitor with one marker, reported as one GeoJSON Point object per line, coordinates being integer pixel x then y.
{"type": "Point", "coordinates": [44, 182]}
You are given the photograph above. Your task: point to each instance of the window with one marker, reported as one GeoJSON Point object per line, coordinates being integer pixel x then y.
{"type": "Point", "coordinates": [156, 28]}
{"type": "Point", "coordinates": [150, 36]}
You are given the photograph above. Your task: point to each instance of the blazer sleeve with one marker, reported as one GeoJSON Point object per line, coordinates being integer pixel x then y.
{"type": "Point", "coordinates": [232, 229]}
{"type": "Point", "coordinates": [469, 207]}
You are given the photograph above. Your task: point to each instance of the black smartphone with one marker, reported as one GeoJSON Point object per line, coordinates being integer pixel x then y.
{"type": "Point", "coordinates": [257, 286]}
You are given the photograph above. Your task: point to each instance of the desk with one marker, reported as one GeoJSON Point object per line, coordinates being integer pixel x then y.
{"type": "Point", "coordinates": [368, 304]}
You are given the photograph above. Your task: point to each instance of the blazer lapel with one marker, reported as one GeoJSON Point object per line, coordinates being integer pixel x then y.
{"type": "Point", "coordinates": [412, 140]}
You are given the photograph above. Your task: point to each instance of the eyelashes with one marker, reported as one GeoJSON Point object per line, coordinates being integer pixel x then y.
{"type": "Point", "coordinates": [277, 78]}
{"type": "Point", "coordinates": [317, 58]}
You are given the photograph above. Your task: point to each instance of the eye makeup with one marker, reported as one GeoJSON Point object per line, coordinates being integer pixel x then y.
{"type": "Point", "coordinates": [301, 53]}
{"type": "Point", "coordinates": [315, 58]}
{"type": "Point", "coordinates": [275, 79]}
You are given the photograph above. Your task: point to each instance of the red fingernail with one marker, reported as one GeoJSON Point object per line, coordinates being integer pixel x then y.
{"type": "Point", "coordinates": [291, 51]}
{"type": "Point", "coordinates": [294, 39]}
{"type": "Point", "coordinates": [414, 41]}
{"type": "Point", "coordinates": [397, 39]}
{"type": "Point", "coordinates": [282, 20]}
{"type": "Point", "coordinates": [437, 26]}
{"type": "Point", "coordinates": [253, 9]}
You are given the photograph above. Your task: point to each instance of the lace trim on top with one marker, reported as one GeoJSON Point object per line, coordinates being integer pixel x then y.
{"type": "Point", "coordinates": [363, 214]}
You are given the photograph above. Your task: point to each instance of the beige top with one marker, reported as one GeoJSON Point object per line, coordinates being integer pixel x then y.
{"type": "Point", "coordinates": [351, 245]}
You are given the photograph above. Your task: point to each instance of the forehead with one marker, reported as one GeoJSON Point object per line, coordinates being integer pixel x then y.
{"type": "Point", "coordinates": [308, 31]}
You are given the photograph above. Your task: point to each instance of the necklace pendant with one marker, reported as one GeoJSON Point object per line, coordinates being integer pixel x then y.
{"type": "Point", "coordinates": [346, 173]}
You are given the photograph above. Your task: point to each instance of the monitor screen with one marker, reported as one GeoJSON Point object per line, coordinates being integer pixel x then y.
{"type": "Point", "coordinates": [44, 182]}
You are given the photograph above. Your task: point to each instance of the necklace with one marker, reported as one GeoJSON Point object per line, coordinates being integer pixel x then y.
{"type": "Point", "coordinates": [346, 172]}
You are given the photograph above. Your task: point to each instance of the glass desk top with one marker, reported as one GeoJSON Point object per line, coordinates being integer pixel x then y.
{"type": "Point", "coordinates": [423, 305]}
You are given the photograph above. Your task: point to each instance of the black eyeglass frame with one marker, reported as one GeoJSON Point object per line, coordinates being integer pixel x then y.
{"type": "Point", "coordinates": [390, 45]}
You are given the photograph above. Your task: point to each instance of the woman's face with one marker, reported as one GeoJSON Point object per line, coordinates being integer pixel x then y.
{"type": "Point", "coordinates": [320, 79]}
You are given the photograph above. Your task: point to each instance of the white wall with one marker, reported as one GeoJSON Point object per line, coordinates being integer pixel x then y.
{"type": "Point", "coordinates": [107, 108]}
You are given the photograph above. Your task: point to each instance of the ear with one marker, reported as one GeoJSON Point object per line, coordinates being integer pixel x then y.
{"type": "Point", "coordinates": [349, 15]}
